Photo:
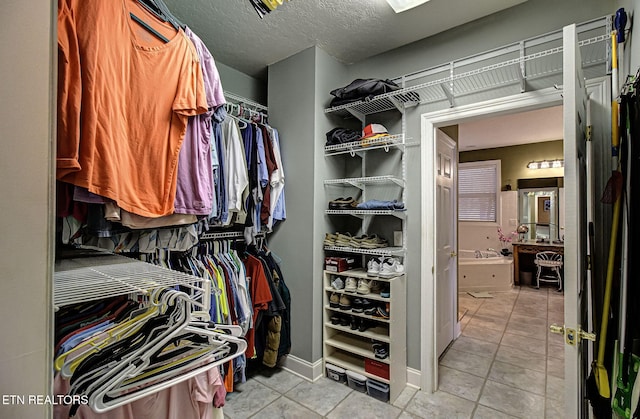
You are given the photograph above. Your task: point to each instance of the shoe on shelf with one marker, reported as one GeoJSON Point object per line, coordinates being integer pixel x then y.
{"type": "Point", "coordinates": [335, 319]}
{"type": "Point", "coordinates": [334, 300]}
{"type": "Point", "coordinates": [343, 240]}
{"type": "Point", "coordinates": [345, 302]}
{"type": "Point", "coordinates": [390, 268]}
{"type": "Point", "coordinates": [386, 291]}
{"type": "Point", "coordinates": [357, 241]}
{"type": "Point", "coordinates": [381, 350]}
{"type": "Point", "coordinates": [364, 287]}
{"type": "Point", "coordinates": [375, 286]}
{"type": "Point", "coordinates": [356, 305]}
{"type": "Point", "coordinates": [350, 285]}
{"type": "Point", "coordinates": [371, 311]}
{"type": "Point", "coordinates": [345, 320]}
{"type": "Point", "coordinates": [330, 239]}
{"type": "Point", "coordinates": [364, 325]}
{"type": "Point", "coordinates": [374, 242]}
{"type": "Point", "coordinates": [373, 266]}
{"type": "Point", "coordinates": [382, 312]}
{"type": "Point", "coordinates": [337, 283]}
{"type": "Point", "coordinates": [343, 204]}
{"type": "Point", "coordinates": [366, 304]}
{"type": "Point", "coordinates": [355, 322]}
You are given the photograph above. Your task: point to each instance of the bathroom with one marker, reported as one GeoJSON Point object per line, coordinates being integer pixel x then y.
{"type": "Point", "coordinates": [501, 149]}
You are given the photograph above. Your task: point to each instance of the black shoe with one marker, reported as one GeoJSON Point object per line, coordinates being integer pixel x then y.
{"type": "Point", "coordinates": [355, 322]}
{"type": "Point", "coordinates": [372, 310]}
{"type": "Point", "coordinates": [356, 305]}
{"type": "Point", "coordinates": [364, 325]}
{"type": "Point", "coordinates": [344, 321]}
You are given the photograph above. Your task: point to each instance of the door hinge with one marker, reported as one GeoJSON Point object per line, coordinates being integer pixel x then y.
{"type": "Point", "coordinates": [572, 336]}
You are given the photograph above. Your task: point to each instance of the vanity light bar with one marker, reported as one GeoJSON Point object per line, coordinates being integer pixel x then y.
{"type": "Point", "coordinates": [546, 164]}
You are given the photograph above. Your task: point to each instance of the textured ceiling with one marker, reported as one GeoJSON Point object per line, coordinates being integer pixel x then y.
{"type": "Point", "coordinates": [349, 30]}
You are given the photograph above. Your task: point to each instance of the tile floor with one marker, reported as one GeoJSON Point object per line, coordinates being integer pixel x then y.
{"type": "Point", "coordinates": [504, 365]}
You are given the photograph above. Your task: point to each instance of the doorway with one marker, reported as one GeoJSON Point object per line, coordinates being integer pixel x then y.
{"type": "Point", "coordinates": [430, 122]}
{"type": "Point", "coordinates": [599, 94]}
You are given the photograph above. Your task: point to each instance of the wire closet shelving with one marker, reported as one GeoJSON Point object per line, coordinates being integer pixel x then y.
{"type": "Point", "coordinates": [90, 278]}
{"type": "Point", "coordinates": [530, 64]}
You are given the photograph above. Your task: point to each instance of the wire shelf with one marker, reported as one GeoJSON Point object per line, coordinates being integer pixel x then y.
{"type": "Point", "coordinates": [365, 145]}
{"type": "Point", "coordinates": [356, 212]}
{"type": "Point", "coordinates": [239, 99]}
{"type": "Point", "coordinates": [382, 251]}
{"type": "Point", "coordinates": [512, 65]}
{"type": "Point", "coordinates": [359, 182]}
{"type": "Point", "coordinates": [92, 278]}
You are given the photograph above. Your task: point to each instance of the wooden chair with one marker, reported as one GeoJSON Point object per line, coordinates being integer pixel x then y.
{"type": "Point", "coordinates": [549, 265]}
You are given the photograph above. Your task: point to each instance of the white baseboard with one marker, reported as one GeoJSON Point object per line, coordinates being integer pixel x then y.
{"type": "Point", "coordinates": [310, 371]}
{"type": "Point", "coordinates": [414, 378]}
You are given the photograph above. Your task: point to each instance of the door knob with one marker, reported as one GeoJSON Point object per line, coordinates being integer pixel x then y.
{"type": "Point", "coordinates": [453, 254]}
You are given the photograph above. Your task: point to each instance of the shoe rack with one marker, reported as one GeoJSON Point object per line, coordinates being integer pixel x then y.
{"type": "Point", "coordinates": [348, 346]}
{"type": "Point", "coordinates": [365, 170]}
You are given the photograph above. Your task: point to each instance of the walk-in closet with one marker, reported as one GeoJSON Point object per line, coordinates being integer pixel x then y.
{"type": "Point", "coordinates": [263, 209]}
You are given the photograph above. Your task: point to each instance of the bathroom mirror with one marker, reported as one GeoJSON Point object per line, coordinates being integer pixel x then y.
{"type": "Point", "coordinates": [538, 210]}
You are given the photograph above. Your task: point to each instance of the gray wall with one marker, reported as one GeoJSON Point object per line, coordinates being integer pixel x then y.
{"type": "Point", "coordinates": [27, 75]}
{"type": "Point", "coordinates": [526, 20]}
{"type": "Point", "coordinates": [241, 84]}
{"type": "Point", "coordinates": [296, 87]}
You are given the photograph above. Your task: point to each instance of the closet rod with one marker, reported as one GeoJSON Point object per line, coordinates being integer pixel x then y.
{"type": "Point", "coordinates": [226, 235]}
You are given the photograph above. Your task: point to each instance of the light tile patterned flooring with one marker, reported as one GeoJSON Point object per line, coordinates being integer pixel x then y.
{"type": "Point", "coordinates": [504, 365]}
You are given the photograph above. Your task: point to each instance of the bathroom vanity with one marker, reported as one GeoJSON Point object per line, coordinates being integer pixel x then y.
{"type": "Point", "coordinates": [524, 252]}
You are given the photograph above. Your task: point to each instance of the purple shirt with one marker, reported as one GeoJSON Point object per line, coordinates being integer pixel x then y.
{"type": "Point", "coordinates": [194, 189]}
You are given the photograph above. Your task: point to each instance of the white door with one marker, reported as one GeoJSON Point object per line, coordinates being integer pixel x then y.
{"type": "Point", "coordinates": [575, 295]}
{"type": "Point", "coordinates": [446, 221]}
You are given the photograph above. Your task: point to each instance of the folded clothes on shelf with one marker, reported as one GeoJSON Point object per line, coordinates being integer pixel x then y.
{"type": "Point", "coordinates": [375, 204]}
{"type": "Point", "coordinates": [341, 136]}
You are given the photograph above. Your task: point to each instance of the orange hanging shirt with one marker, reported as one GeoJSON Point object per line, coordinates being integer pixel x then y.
{"type": "Point", "coordinates": [123, 102]}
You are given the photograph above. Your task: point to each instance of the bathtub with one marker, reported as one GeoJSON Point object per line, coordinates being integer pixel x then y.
{"type": "Point", "coordinates": [494, 273]}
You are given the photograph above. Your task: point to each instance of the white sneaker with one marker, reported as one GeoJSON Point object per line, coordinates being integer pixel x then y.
{"type": "Point", "coordinates": [337, 283]}
{"type": "Point", "coordinates": [350, 285]}
{"type": "Point", "coordinates": [390, 268]}
{"type": "Point", "coordinates": [373, 267]}
{"type": "Point", "coordinates": [364, 286]}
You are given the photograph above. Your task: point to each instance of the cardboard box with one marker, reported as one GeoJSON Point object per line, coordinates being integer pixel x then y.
{"type": "Point", "coordinates": [376, 368]}
{"type": "Point", "coordinates": [340, 264]}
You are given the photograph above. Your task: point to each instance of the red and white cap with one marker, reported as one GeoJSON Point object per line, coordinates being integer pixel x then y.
{"type": "Point", "coordinates": [374, 131]}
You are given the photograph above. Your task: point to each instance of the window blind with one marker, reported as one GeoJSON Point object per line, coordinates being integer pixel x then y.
{"type": "Point", "coordinates": [477, 192]}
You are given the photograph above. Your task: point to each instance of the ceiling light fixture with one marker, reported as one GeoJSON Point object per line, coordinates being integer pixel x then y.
{"type": "Point", "coordinates": [402, 5]}
{"type": "Point", "coordinates": [546, 164]}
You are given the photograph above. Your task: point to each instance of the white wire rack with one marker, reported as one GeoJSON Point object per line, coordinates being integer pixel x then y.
{"type": "Point", "coordinates": [382, 251]}
{"type": "Point", "coordinates": [359, 182]}
{"type": "Point", "coordinates": [96, 277]}
{"type": "Point", "coordinates": [357, 212]}
{"type": "Point", "coordinates": [354, 147]}
{"type": "Point", "coordinates": [530, 64]}
{"type": "Point", "coordinates": [232, 97]}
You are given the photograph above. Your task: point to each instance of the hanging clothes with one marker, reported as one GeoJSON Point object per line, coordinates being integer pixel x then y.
{"type": "Point", "coordinates": [194, 191]}
{"type": "Point", "coordinates": [124, 154]}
